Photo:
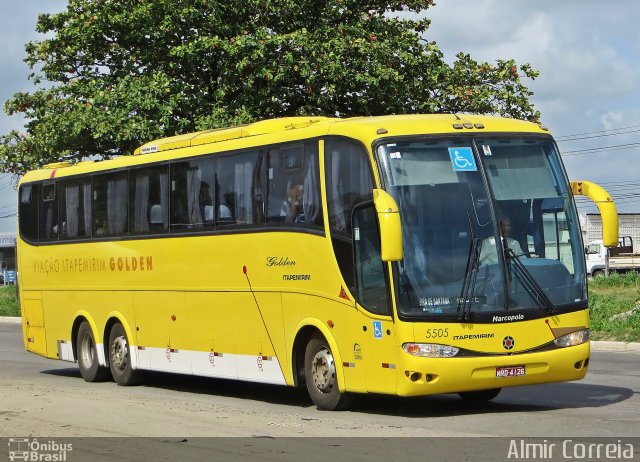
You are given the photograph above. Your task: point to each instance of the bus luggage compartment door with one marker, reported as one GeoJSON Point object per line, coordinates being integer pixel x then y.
{"type": "Point", "coordinates": [35, 338]}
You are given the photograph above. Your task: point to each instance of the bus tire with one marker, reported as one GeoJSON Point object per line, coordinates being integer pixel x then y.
{"type": "Point", "coordinates": [120, 358]}
{"type": "Point", "coordinates": [480, 395]}
{"type": "Point", "coordinates": [320, 376]}
{"type": "Point", "coordinates": [87, 354]}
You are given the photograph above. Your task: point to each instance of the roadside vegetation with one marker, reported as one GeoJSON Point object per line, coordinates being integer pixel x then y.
{"type": "Point", "coordinates": [614, 302]}
{"type": "Point", "coordinates": [8, 301]}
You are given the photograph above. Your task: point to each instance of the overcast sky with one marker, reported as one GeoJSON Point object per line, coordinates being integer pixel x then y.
{"type": "Point", "coordinates": [587, 53]}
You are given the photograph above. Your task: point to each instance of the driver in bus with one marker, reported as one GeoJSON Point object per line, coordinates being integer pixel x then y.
{"type": "Point", "coordinates": [489, 250]}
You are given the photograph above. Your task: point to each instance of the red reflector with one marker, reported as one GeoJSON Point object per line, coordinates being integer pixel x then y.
{"type": "Point", "coordinates": [343, 293]}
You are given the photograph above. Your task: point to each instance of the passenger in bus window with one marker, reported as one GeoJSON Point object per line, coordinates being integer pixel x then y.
{"type": "Point", "coordinates": [101, 223]}
{"type": "Point", "coordinates": [224, 213]}
{"type": "Point", "coordinates": [179, 210]}
{"type": "Point", "coordinates": [225, 209]}
{"type": "Point", "coordinates": [206, 203]}
{"type": "Point", "coordinates": [292, 208]}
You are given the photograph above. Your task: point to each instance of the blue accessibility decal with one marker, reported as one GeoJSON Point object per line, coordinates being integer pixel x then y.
{"type": "Point", "coordinates": [462, 160]}
{"type": "Point", "coordinates": [377, 329]}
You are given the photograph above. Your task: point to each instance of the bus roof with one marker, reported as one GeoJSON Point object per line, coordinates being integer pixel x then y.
{"type": "Point", "coordinates": [266, 132]}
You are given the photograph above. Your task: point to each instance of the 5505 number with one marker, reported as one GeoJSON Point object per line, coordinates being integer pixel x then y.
{"type": "Point", "coordinates": [438, 333]}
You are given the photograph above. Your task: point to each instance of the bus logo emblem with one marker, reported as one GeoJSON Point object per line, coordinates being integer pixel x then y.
{"type": "Point", "coordinates": [508, 343]}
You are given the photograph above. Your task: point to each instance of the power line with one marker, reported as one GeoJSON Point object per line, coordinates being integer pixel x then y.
{"type": "Point", "coordinates": [596, 136]}
{"type": "Point", "coordinates": [614, 147]}
{"type": "Point", "coordinates": [597, 133]}
{"type": "Point", "coordinates": [618, 182]}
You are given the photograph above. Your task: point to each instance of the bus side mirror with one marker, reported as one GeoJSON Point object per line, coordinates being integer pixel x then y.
{"type": "Point", "coordinates": [606, 206]}
{"type": "Point", "coordinates": [390, 226]}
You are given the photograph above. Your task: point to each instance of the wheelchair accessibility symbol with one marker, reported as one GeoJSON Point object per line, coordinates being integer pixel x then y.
{"type": "Point", "coordinates": [462, 160]}
{"type": "Point", "coordinates": [377, 329]}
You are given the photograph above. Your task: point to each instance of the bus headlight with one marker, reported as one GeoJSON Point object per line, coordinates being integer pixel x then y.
{"type": "Point", "coordinates": [430, 350]}
{"type": "Point", "coordinates": [572, 339]}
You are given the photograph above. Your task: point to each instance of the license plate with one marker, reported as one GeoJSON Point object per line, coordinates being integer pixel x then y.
{"type": "Point", "coordinates": [510, 371]}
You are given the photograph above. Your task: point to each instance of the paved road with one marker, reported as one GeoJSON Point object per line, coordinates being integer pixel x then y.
{"type": "Point", "coordinates": [47, 397]}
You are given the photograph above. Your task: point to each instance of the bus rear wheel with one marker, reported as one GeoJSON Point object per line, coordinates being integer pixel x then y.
{"type": "Point", "coordinates": [480, 395]}
{"type": "Point", "coordinates": [87, 354]}
{"type": "Point", "coordinates": [320, 376]}
{"type": "Point", "coordinates": [120, 358]}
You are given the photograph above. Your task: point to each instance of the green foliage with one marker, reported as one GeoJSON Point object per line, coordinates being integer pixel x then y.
{"type": "Point", "coordinates": [114, 74]}
{"type": "Point", "coordinates": [630, 279]}
{"type": "Point", "coordinates": [8, 301]}
{"type": "Point", "coordinates": [614, 303]}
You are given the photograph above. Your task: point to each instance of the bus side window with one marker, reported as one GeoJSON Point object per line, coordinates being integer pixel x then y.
{"type": "Point", "coordinates": [49, 227]}
{"type": "Point", "coordinates": [110, 204]}
{"type": "Point", "coordinates": [349, 180]}
{"type": "Point", "coordinates": [293, 186]}
{"type": "Point", "coordinates": [238, 197]}
{"type": "Point", "coordinates": [75, 209]}
{"type": "Point", "coordinates": [178, 196]}
{"type": "Point", "coordinates": [29, 201]}
{"type": "Point", "coordinates": [192, 194]}
{"type": "Point", "coordinates": [149, 200]}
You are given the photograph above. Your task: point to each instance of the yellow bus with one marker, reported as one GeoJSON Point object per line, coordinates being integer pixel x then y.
{"type": "Point", "coordinates": [408, 255]}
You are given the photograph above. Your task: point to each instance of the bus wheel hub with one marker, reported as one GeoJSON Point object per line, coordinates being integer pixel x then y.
{"type": "Point", "coordinates": [119, 353]}
{"type": "Point", "coordinates": [323, 370]}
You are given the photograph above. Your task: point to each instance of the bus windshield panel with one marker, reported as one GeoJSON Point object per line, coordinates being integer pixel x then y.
{"type": "Point", "coordinates": [489, 226]}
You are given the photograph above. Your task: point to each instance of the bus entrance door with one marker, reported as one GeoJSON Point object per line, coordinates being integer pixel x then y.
{"type": "Point", "coordinates": [378, 355]}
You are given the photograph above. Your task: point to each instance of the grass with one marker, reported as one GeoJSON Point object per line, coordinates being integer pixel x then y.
{"type": "Point", "coordinates": [610, 297]}
{"type": "Point", "coordinates": [8, 301]}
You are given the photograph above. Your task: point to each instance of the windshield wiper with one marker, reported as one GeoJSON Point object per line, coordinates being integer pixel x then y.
{"type": "Point", "coordinates": [470, 275]}
{"type": "Point", "coordinates": [528, 281]}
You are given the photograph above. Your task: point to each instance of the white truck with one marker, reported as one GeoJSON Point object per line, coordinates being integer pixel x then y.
{"type": "Point", "coordinates": [621, 258]}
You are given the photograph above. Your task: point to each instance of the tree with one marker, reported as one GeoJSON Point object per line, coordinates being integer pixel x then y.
{"type": "Point", "coordinates": [115, 74]}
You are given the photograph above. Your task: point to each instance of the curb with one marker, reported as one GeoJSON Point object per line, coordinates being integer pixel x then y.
{"type": "Point", "coordinates": [595, 345]}
{"type": "Point", "coordinates": [10, 319]}
{"type": "Point", "coordinates": [615, 346]}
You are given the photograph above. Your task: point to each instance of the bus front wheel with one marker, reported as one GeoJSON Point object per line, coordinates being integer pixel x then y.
{"type": "Point", "coordinates": [87, 354]}
{"type": "Point", "coordinates": [120, 358]}
{"type": "Point", "coordinates": [480, 395]}
{"type": "Point", "coordinates": [320, 376]}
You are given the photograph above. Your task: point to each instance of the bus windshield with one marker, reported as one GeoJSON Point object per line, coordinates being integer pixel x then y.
{"type": "Point", "coordinates": [488, 226]}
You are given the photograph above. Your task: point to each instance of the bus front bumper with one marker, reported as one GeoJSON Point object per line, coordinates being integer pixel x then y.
{"type": "Point", "coordinates": [426, 376]}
